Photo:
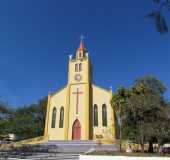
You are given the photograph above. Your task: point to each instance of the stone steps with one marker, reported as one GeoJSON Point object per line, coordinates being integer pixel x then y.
{"type": "Point", "coordinates": [61, 150]}
{"type": "Point", "coordinates": [75, 142]}
{"type": "Point", "coordinates": [57, 157]}
{"type": "Point", "coordinates": [47, 156]}
{"type": "Point", "coordinates": [78, 146]}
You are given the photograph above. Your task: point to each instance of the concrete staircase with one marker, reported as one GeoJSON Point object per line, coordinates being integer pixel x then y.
{"type": "Point", "coordinates": [78, 146]}
{"type": "Point", "coordinates": [59, 150]}
{"type": "Point", "coordinates": [49, 156]}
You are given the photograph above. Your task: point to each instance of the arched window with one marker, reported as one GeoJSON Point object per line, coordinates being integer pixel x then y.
{"type": "Point", "coordinates": [104, 115]}
{"type": "Point", "coordinates": [61, 117]}
{"type": "Point", "coordinates": [53, 117]}
{"type": "Point", "coordinates": [80, 66]}
{"type": "Point", "coordinates": [76, 67]}
{"type": "Point", "coordinates": [95, 115]}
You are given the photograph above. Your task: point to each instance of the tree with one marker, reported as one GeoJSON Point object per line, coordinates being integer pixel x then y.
{"type": "Point", "coordinates": [158, 16]}
{"type": "Point", "coordinates": [6, 114]}
{"type": "Point", "coordinates": [160, 128]}
{"type": "Point", "coordinates": [145, 108]}
{"type": "Point", "coordinates": [150, 83]}
{"type": "Point", "coordinates": [29, 121]}
{"type": "Point", "coordinates": [118, 103]}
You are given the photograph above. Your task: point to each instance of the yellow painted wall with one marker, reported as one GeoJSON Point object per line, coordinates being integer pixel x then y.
{"type": "Point", "coordinates": [57, 100]}
{"type": "Point", "coordinates": [100, 97]}
{"type": "Point", "coordinates": [82, 109]}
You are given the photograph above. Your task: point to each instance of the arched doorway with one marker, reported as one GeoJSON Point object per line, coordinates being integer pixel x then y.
{"type": "Point", "coordinates": [76, 130]}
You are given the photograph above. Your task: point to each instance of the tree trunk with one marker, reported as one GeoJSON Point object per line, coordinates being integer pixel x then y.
{"type": "Point", "coordinates": [159, 147]}
{"type": "Point", "coordinates": [150, 149]}
{"type": "Point", "coordinates": [120, 134]}
{"type": "Point", "coordinates": [141, 135]}
{"type": "Point", "coordinates": [142, 147]}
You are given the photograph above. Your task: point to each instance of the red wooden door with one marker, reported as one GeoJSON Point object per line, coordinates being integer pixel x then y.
{"type": "Point", "coordinates": [76, 130]}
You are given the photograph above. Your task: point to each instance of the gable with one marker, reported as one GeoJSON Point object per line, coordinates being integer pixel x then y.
{"type": "Point", "coordinates": [101, 96]}
{"type": "Point", "coordinates": [58, 98]}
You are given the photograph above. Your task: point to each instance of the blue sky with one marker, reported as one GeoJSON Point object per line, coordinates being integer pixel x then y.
{"type": "Point", "coordinates": [36, 37]}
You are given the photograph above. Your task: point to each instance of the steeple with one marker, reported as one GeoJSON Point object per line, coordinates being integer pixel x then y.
{"type": "Point", "coordinates": [82, 45]}
{"type": "Point", "coordinates": [81, 51]}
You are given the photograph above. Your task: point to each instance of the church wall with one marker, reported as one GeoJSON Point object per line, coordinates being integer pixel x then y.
{"type": "Point", "coordinates": [100, 97]}
{"type": "Point", "coordinates": [81, 116]}
{"type": "Point", "coordinates": [57, 100]}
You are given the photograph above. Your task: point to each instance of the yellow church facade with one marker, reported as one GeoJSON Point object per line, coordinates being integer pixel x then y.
{"type": "Point", "coordinates": [80, 110]}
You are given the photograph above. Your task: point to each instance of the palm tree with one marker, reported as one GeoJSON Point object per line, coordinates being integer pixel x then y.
{"type": "Point", "coordinates": [118, 102]}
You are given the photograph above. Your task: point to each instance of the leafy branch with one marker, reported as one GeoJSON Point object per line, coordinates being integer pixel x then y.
{"type": "Point", "coordinates": [157, 15]}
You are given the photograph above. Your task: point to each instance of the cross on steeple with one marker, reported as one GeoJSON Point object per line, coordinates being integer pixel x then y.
{"type": "Point", "coordinates": [81, 37]}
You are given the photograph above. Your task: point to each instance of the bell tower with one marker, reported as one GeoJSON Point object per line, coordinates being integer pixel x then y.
{"type": "Point", "coordinates": [79, 70]}
{"type": "Point", "coordinates": [78, 91]}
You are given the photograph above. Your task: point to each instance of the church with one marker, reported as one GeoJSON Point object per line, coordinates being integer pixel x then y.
{"type": "Point", "coordinates": [80, 110]}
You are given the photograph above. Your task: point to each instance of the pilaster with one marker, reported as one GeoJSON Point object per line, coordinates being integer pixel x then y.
{"type": "Point", "coordinates": [66, 117]}
{"type": "Point", "coordinates": [113, 129]}
{"type": "Point", "coordinates": [87, 107]}
{"type": "Point", "coordinates": [47, 116]}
